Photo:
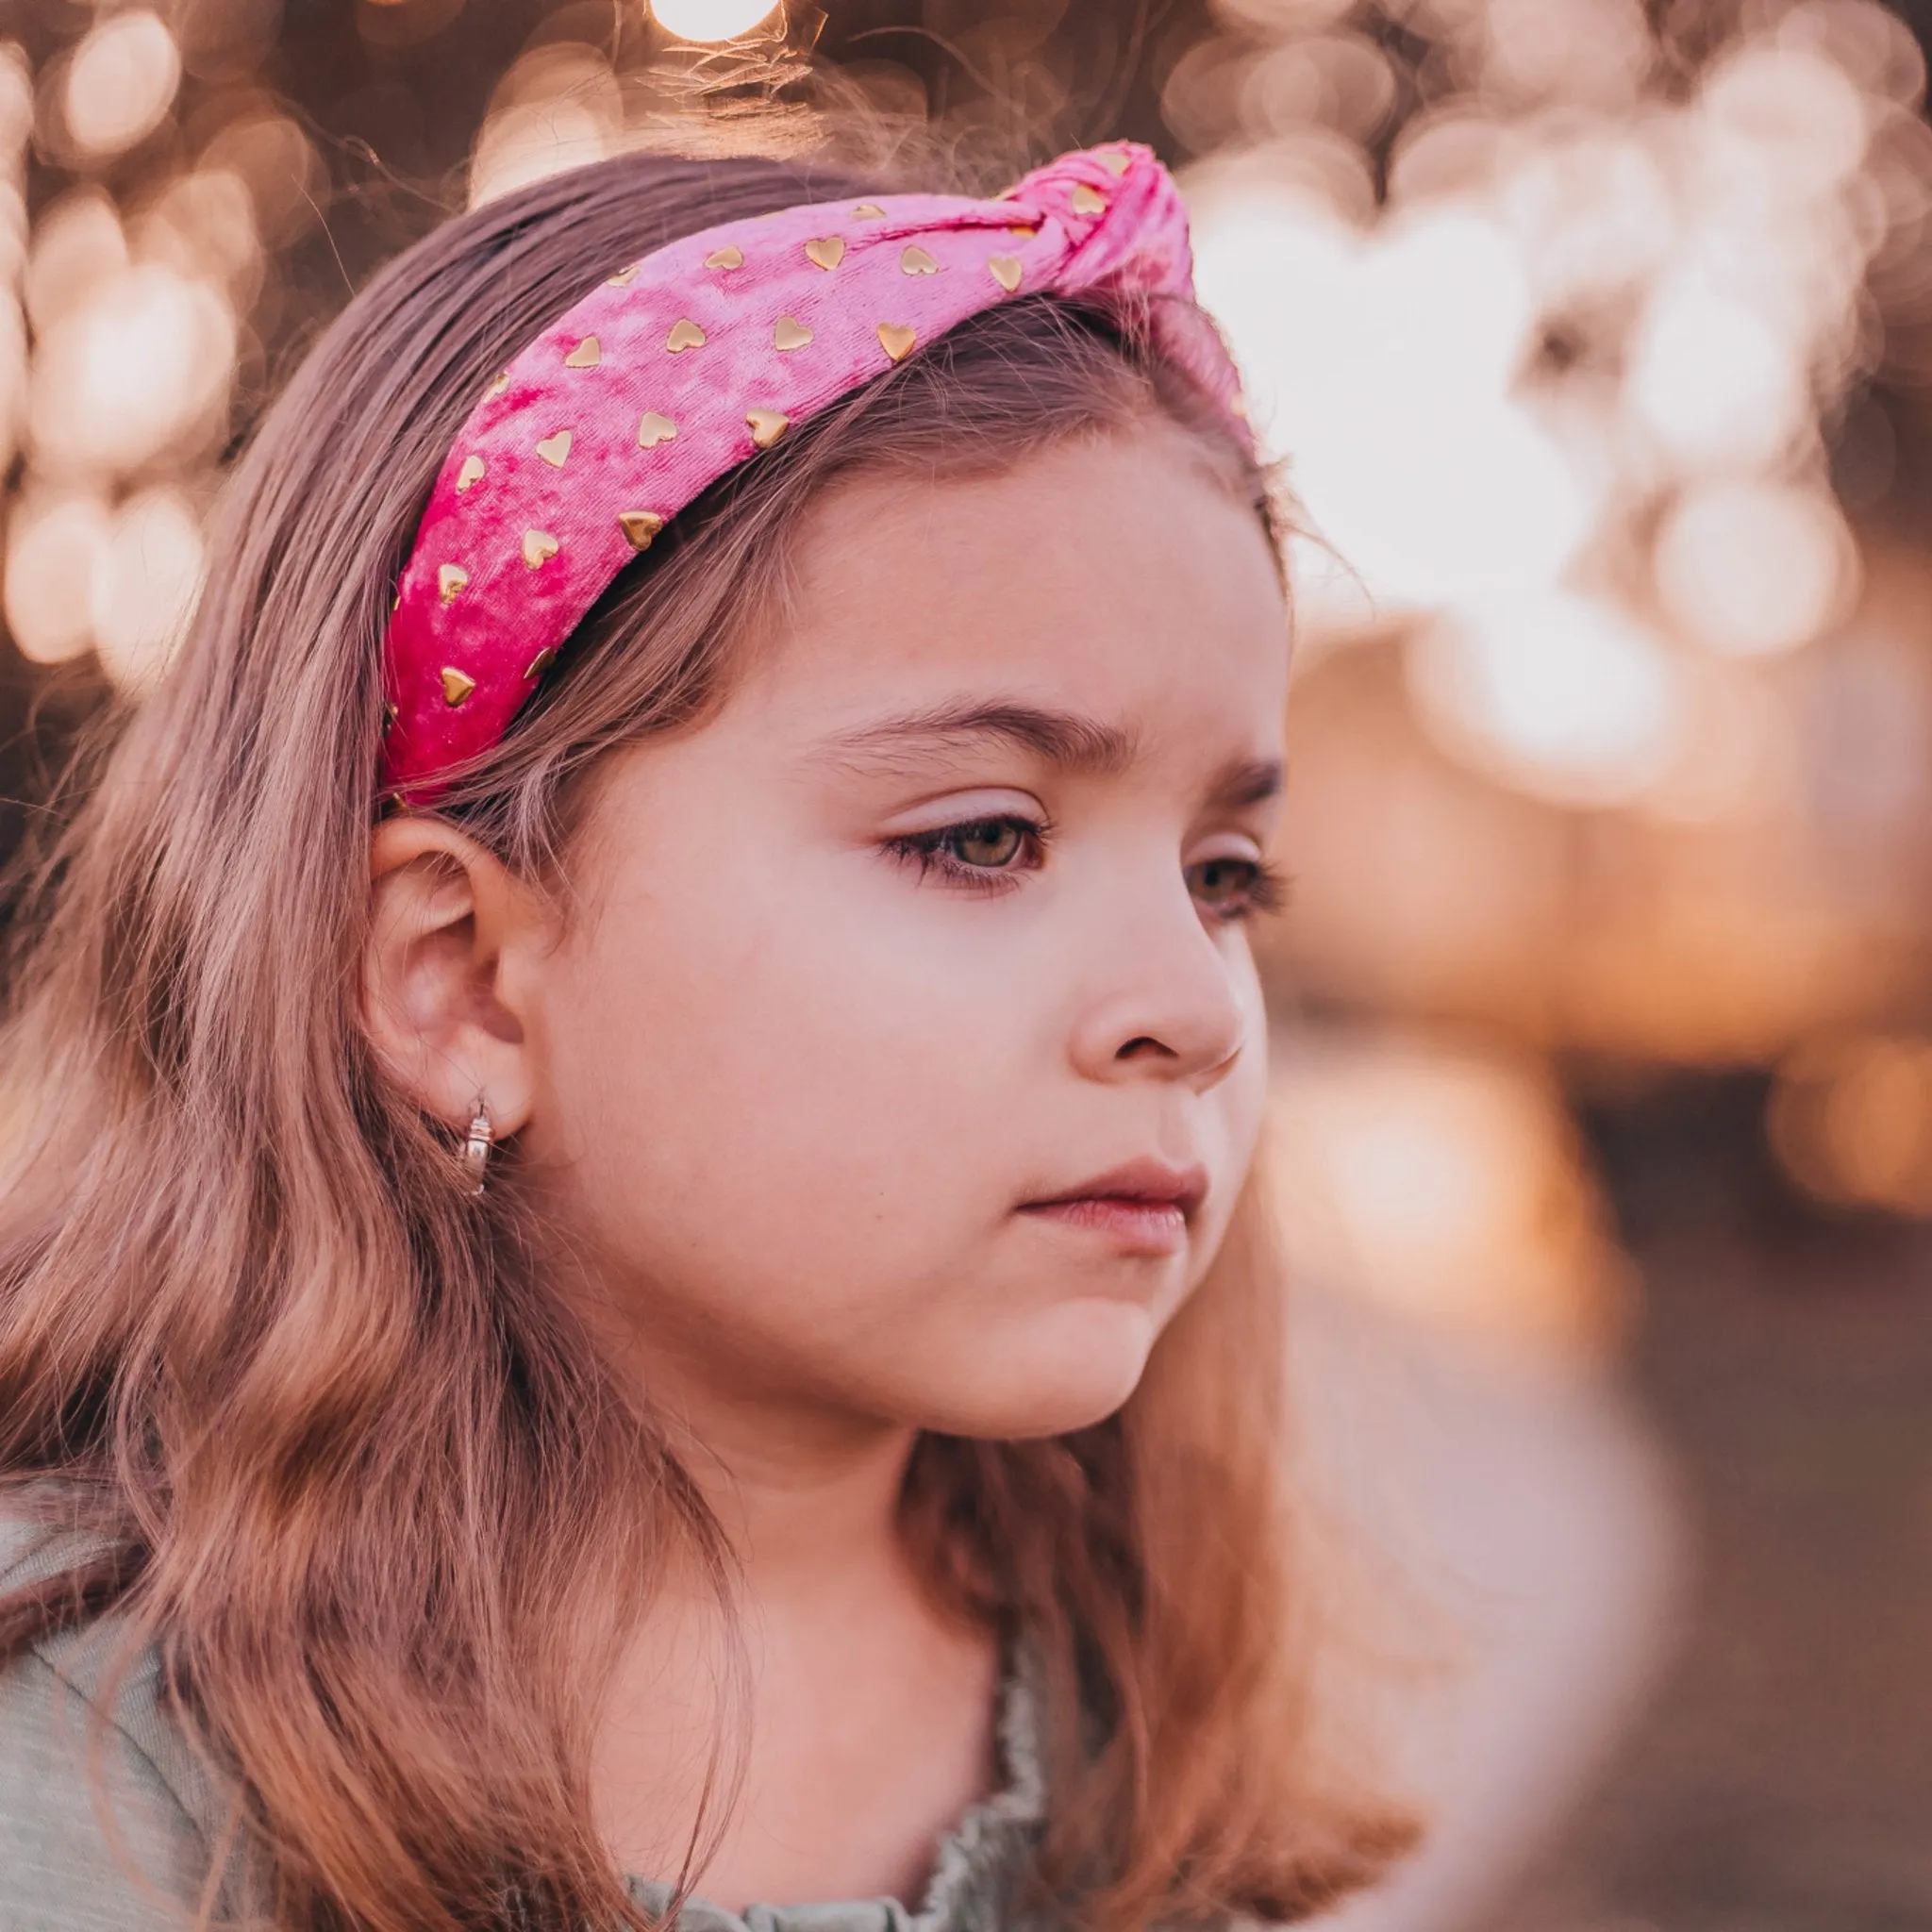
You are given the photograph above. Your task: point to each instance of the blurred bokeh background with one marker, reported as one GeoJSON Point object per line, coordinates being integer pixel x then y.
{"type": "Point", "coordinates": [1598, 336]}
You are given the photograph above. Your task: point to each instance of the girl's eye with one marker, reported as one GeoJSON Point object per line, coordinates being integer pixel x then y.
{"type": "Point", "coordinates": [986, 853]}
{"type": "Point", "coordinates": [989, 854]}
{"type": "Point", "coordinates": [992, 844]}
{"type": "Point", "coordinates": [1233, 888]}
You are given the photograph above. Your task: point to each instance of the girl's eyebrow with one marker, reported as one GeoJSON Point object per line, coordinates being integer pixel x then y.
{"type": "Point", "coordinates": [1070, 741]}
{"type": "Point", "coordinates": [1246, 782]}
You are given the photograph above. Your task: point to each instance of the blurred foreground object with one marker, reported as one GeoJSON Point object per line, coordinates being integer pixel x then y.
{"type": "Point", "coordinates": [1446, 1187]}
{"type": "Point", "coordinates": [1458, 1300]}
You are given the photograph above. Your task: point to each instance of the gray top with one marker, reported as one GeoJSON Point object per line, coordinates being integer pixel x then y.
{"type": "Point", "coordinates": [66, 1868]}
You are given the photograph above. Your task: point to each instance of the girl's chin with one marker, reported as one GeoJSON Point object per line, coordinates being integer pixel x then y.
{"type": "Point", "coordinates": [1075, 1371]}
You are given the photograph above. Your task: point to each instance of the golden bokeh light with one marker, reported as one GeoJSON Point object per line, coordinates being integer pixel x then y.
{"type": "Point", "coordinates": [145, 576]}
{"type": "Point", "coordinates": [1768, 881]}
{"type": "Point", "coordinates": [202, 225]}
{"type": "Point", "coordinates": [1737, 757]}
{"type": "Point", "coordinates": [558, 108]}
{"type": "Point", "coordinates": [1561, 695]}
{"type": "Point", "coordinates": [139, 368]}
{"type": "Point", "coordinates": [1593, 51]}
{"type": "Point", "coordinates": [121, 83]}
{"type": "Point", "coordinates": [1712, 381]}
{"type": "Point", "coordinates": [77, 244]}
{"type": "Point", "coordinates": [1851, 1120]}
{"type": "Point", "coordinates": [711, 19]}
{"type": "Point", "coordinates": [1791, 121]}
{"type": "Point", "coordinates": [1386, 362]}
{"type": "Point", "coordinates": [1339, 80]}
{"type": "Point", "coordinates": [278, 161]}
{"type": "Point", "coordinates": [54, 544]}
{"type": "Point", "coordinates": [81, 573]}
{"type": "Point", "coordinates": [1751, 566]}
{"type": "Point", "coordinates": [1443, 1183]}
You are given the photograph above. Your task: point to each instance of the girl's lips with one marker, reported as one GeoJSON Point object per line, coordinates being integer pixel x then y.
{"type": "Point", "coordinates": [1143, 1207]}
{"type": "Point", "coordinates": [1134, 1225]}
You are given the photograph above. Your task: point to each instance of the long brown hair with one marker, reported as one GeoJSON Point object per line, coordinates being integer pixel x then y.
{"type": "Point", "coordinates": [353, 1465]}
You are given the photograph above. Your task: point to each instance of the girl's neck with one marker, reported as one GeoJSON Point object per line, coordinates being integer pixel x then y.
{"type": "Point", "coordinates": [803, 1491]}
{"type": "Point", "coordinates": [868, 1710]}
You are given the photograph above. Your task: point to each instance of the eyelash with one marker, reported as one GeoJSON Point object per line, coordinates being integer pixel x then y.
{"type": "Point", "coordinates": [1267, 891]}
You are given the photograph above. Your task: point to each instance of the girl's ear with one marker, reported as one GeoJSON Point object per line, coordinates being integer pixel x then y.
{"type": "Point", "coordinates": [455, 942]}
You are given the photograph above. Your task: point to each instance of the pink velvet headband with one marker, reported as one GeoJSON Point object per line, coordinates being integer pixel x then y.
{"type": "Point", "coordinates": [679, 367]}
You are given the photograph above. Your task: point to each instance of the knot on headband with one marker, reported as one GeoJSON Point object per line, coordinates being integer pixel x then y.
{"type": "Point", "coordinates": [679, 367]}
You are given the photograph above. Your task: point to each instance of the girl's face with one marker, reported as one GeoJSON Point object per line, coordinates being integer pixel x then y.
{"type": "Point", "coordinates": [905, 1054]}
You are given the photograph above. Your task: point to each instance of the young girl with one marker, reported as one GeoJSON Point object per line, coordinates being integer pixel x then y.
{"type": "Point", "coordinates": [625, 1269]}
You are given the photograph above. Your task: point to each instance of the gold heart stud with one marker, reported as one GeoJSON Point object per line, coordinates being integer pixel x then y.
{"type": "Point", "coordinates": [767, 425]}
{"type": "Point", "coordinates": [787, 332]}
{"type": "Point", "coordinates": [654, 429]}
{"type": "Point", "coordinates": [450, 578]}
{"type": "Point", "coordinates": [896, 340]}
{"type": "Point", "coordinates": [1025, 234]}
{"type": "Point", "coordinates": [1085, 200]}
{"type": "Point", "coordinates": [389, 715]}
{"type": "Point", "coordinates": [1113, 158]}
{"type": "Point", "coordinates": [685, 334]}
{"type": "Point", "coordinates": [555, 449]}
{"type": "Point", "coordinates": [539, 547]}
{"type": "Point", "coordinates": [868, 211]}
{"type": "Point", "coordinates": [1006, 270]}
{"type": "Point", "coordinates": [625, 276]}
{"type": "Point", "coordinates": [499, 382]}
{"type": "Point", "coordinates": [542, 661]}
{"type": "Point", "coordinates": [914, 261]}
{"type": "Point", "coordinates": [587, 355]}
{"type": "Point", "coordinates": [639, 526]}
{"type": "Point", "coordinates": [456, 687]}
{"type": "Point", "coordinates": [472, 472]}
{"type": "Point", "coordinates": [730, 255]}
{"type": "Point", "coordinates": [827, 250]}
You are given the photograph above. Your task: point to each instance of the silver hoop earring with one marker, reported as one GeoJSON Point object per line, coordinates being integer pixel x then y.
{"type": "Point", "coordinates": [477, 1148]}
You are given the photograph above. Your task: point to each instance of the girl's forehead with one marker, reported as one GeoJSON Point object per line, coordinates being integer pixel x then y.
{"type": "Point", "coordinates": [1048, 502]}
{"type": "Point", "coordinates": [1110, 574]}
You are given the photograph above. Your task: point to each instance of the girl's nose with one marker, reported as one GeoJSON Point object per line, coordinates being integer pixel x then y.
{"type": "Point", "coordinates": [1168, 1001]}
